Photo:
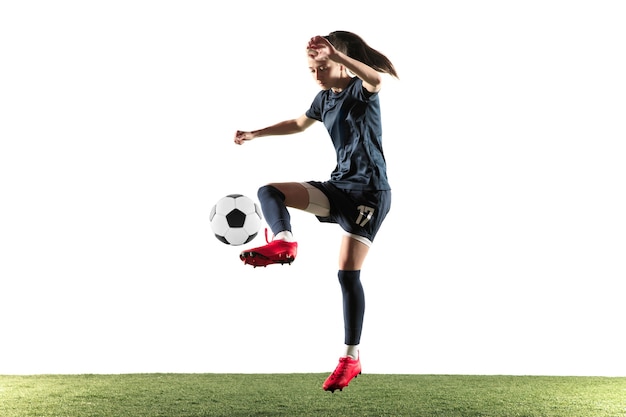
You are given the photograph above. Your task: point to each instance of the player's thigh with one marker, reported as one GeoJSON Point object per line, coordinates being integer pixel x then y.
{"type": "Point", "coordinates": [318, 201]}
{"type": "Point", "coordinates": [352, 254]}
{"type": "Point", "coordinates": [296, 195]}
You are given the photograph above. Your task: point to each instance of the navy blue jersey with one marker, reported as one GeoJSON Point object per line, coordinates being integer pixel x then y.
{"type": "Point", "coordinates": [352, 118]}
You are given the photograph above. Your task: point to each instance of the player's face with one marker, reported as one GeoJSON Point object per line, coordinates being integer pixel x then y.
{"type": "Point", "coordinates": [325, 73]}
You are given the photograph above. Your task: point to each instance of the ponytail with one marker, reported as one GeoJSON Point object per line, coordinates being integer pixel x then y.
{"type": "Point", "coordinates": [355, 47]}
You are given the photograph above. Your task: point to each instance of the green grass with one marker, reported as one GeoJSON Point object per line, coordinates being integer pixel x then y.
{"type": "Point", "coordinates": [234, 395]}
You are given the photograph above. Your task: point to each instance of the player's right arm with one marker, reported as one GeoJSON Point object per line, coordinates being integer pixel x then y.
{"type": "Point", "coordinates": [286, 127]}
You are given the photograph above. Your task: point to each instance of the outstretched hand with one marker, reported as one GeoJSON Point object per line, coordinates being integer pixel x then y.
{"type": "Point", "coordinates": [320, 49]}
{"type": "Point", "coordinates": [242, 137]}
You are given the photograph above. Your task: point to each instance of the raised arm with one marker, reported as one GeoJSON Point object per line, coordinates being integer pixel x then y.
{"type": "Point", "coordinates": [286, 127]}
{"type": "Point", "coordinates": [321, 49]}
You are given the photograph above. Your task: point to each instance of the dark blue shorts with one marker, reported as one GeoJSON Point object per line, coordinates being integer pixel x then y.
{"type": "Point", "coordinates": [359, 213]}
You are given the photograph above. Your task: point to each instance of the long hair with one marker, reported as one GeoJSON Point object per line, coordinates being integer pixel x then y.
{"type": "Point", "coordinates": [355, 47]}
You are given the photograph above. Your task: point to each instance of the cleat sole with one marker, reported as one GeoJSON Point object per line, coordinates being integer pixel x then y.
{"type": "Point", "coordinates": [275, 252]}
{"type": "Point", "coordinates": [256, 259]}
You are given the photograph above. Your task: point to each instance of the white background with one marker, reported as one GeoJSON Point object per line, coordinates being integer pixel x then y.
{"type": "Point", "coordinates": [504, 252]}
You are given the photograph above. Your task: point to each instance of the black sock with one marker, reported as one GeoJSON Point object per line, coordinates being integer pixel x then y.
{"type": "Point", "coordinates": [353, 305]}
{"type": "Point", "coordinates": [274, 210]}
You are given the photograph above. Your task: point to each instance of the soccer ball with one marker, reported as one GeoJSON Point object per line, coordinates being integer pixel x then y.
{"type": "Point", "coordinates": [235, 219]}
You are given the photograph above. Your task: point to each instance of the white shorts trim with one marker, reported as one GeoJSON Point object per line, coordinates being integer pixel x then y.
{"type": "Point", "coordinates": [318, 202]}
{"type": "Point", "coordinates": [361, 239]}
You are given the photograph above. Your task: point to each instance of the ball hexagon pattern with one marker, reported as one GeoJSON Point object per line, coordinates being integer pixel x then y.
{"type": "Point", "coordinates": [235, 219]}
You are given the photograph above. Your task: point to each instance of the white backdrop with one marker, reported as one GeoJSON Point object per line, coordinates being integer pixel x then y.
{"type": "Point", "coordinates": [504, 252]}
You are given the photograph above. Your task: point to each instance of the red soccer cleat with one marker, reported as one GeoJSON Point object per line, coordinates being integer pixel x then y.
{"type": "Point", "coordinates": [275, 252]}
{"type": "Point", "coordinates": [347, 369]}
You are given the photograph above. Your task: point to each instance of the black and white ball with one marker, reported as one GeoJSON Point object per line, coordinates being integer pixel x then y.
{"type": "Point", "coordinates": [235, 219]}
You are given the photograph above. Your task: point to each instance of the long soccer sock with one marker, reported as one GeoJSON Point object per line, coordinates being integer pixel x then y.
{"type": "Point", "coordinates": [274, 210]}
{"type": "Point", "coordinates": [353, 305]}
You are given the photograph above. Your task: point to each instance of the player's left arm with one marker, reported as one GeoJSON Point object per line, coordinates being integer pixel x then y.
{"type": "Point", "coordinates": [372, 80]}
{"type": "Point", "coordinates": [320, 49]}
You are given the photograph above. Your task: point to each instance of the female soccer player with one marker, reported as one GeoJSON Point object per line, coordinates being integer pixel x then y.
{"type": "Point", "coordinates": [357, 196]}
